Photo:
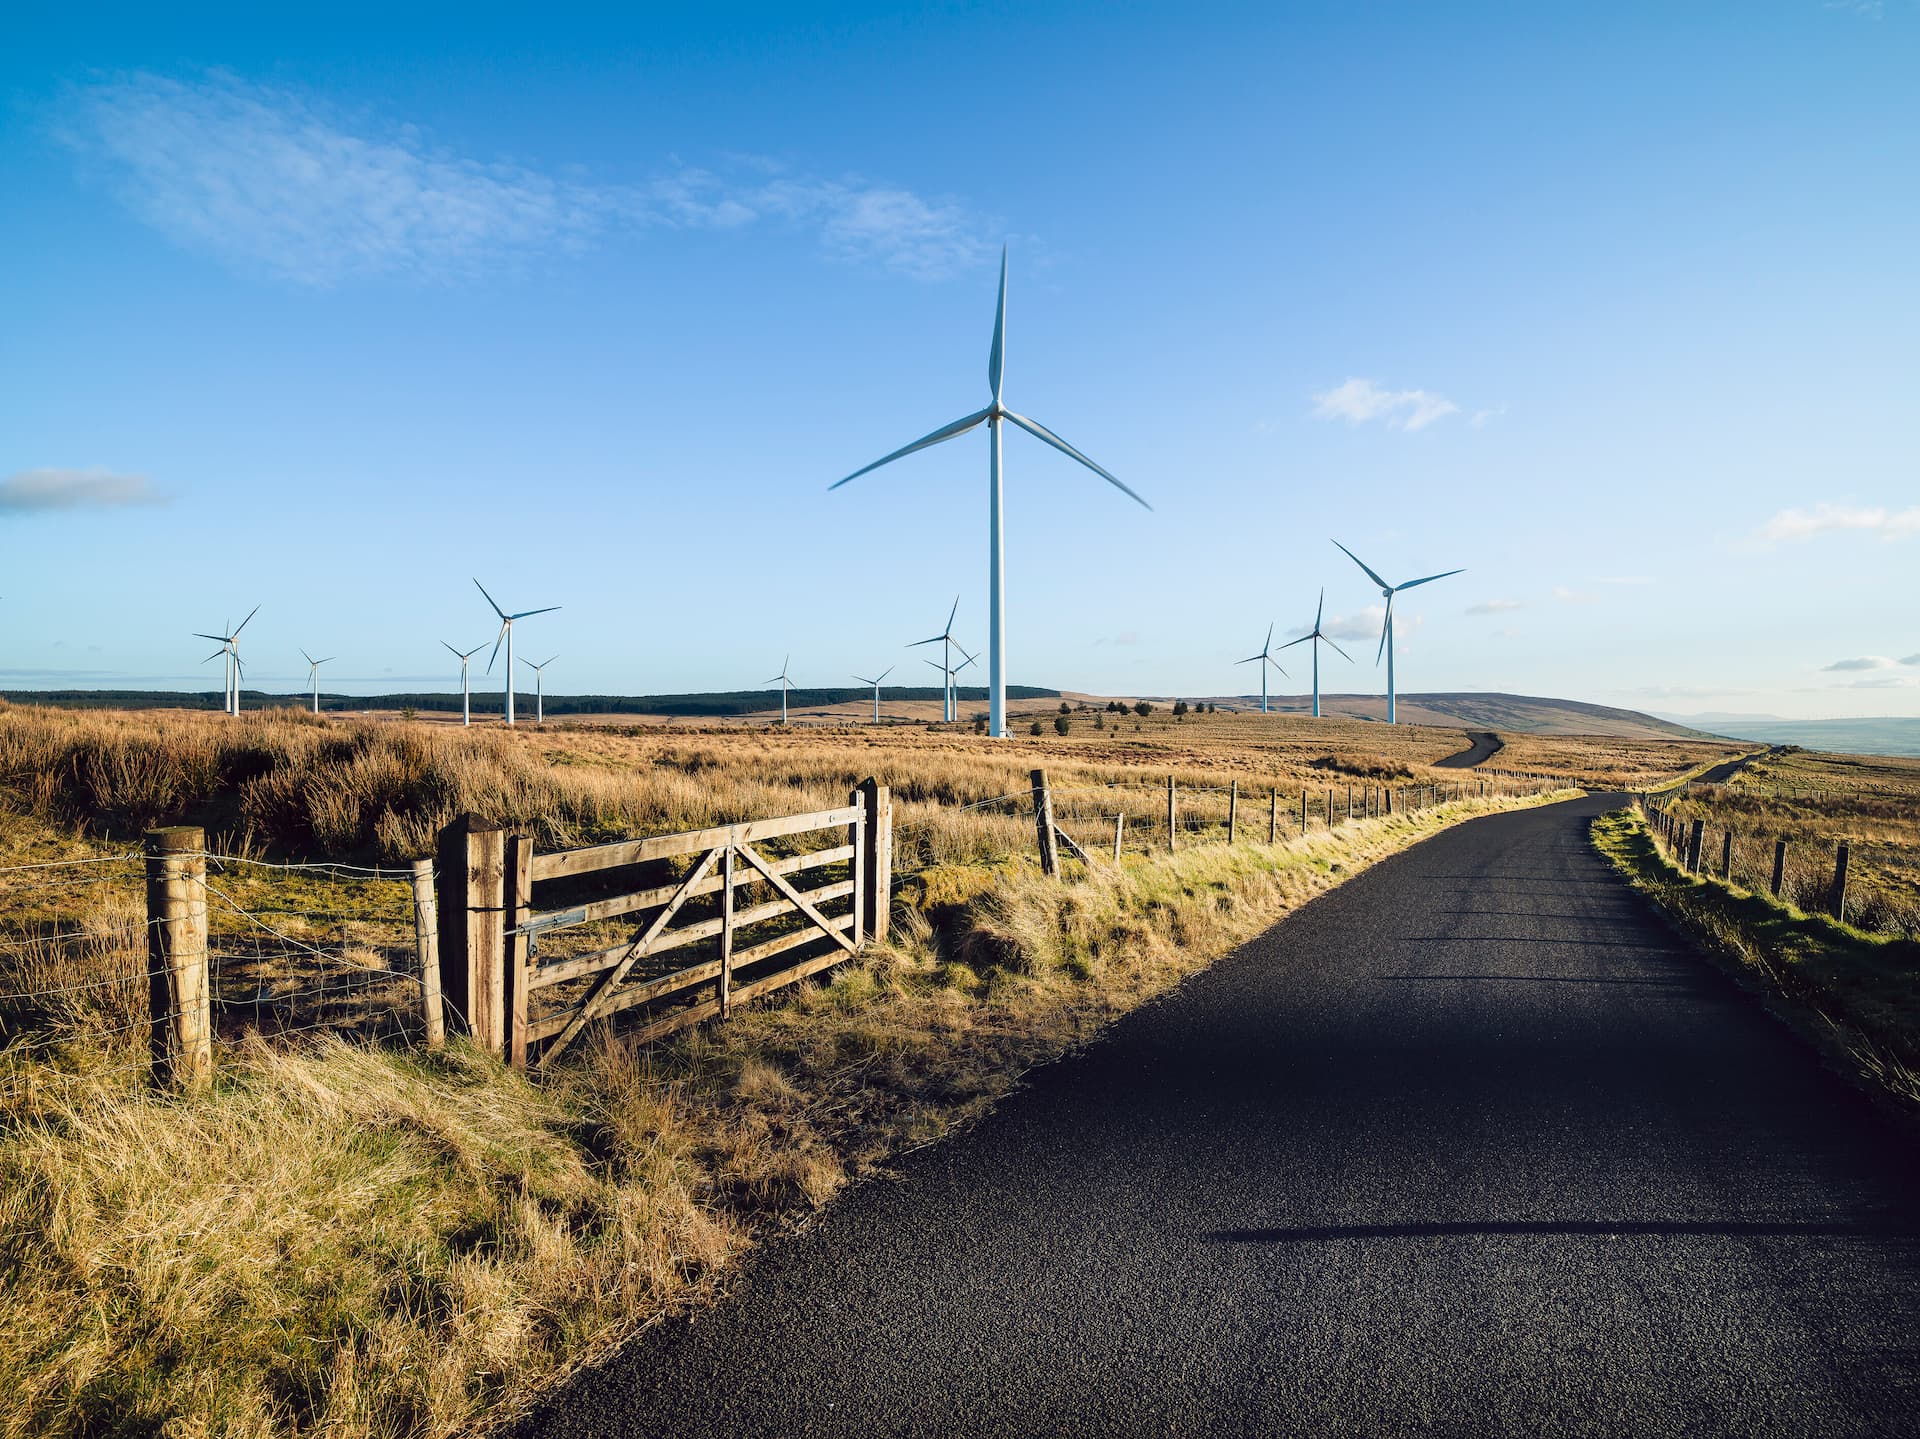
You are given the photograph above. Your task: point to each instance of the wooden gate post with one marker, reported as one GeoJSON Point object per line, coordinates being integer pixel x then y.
{"type": "Point", "coordinates": [517, 894]}
{"type": "Point", "coordinates": [1694, 837]}
{"type": "Point", "coordinates": [1043, 823]}
{"type": "Point", "coordinates": [1779, 865]}
{"type": "Point", "coordinates": [1233, 811]}
{"type": "Point", "coordinates": [179, 999]}
{"type": "Point", "coordinates": [1173, 818]}
{"type": "Point", "coordinates": [1840, 883]}
{"type": "Point", "coordinates": [426, 948]}
{"type": "Point", "coordinates": [472, 881]}
{"type": "Point", "coordinates": [1726, 857]}
{"type": "Point", "coordinates": [878, 859]}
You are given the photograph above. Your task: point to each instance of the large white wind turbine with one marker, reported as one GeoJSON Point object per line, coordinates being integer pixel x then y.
{"type": "Point", "coordinates": [506, 634]}
{"type": "Point", "coordinates": [1388, 591]}
{"type": "Point", "coordinates": [1316, 634]}
{"type": "Point", "coordinates": [1266, 658]}
{"type": "Point", "coordinates": [313, 673]}
{"type": "Point", "coordinates": [539, 687]}
{"type": "Point", "coordinates": [992, 417]}
{"type": "Point", "coordinates": [876, 689]}
{"type": "Point", "coordinates": [947, 644]}
{"type": "Point", "coordinates": [784, 683]}
{"type": "Point", "coordinates": [466, 691]}
{"type": "Point", "coordinates": [230, 646]}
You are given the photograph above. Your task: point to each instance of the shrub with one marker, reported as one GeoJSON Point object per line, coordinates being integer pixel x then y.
{"type": "Point", "coordinates": [1036, 728]}
{"type": "Point", "coordinates": [1062, 724]}
{"type": "Point", "coordinates": [1143, 709]}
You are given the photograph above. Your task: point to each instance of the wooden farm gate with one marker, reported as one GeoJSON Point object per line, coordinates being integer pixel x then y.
{"type": "Point", "coordinates": [534, 947]}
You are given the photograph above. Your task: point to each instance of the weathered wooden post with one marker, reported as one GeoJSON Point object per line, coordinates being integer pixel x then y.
{"type": "Point", "coordinates": [1779, 866]}
{"type": "Point", "coordinates": [877, 861]}
{"type": "Point", "coordinates": [1043, 823]}
{"type": "Point", "coordinates": [726, 921]}
{"type": "Point", "coordinates": [1329, 806]}
{"type": "Point", "coordinates": [1303, 809]}
{"type": "Point", "coordinates": [179, 998]}
{"type": "Point", "coordinates": [1840, 883]}
{"type": "Point", "coordinates": [1726, 857]}
{"type": "Point", "coordinates": [1386, 799]}
{"type": "Point", "coordinates": [426, 949]}
{"type": "Point", "coordinates": [1693, 845]}
{"type": "Point", "coordinates": [1119, 830]}
{"type": "Point", "coordinates": [517, 894]}
{"type": "Point", "coordinates": [1349, 804]}
{"type": "Point", "coordinates": [1233, 811]}
{"type": "Point", "coordinates": [1173, 819]}
{"type": "Point", "coordinates": [471, 873]}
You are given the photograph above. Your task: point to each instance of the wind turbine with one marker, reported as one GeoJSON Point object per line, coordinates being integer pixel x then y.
{"type": "Point", "coordinates": [784, 683]}
{"type": "Point", "coordinates": [230, 645]}
{"type": "Point", "coordinates": [1266, 655]}
{"type": "Point", "coordinates": [949, 693]}
{"type": "Point", "coordinates": [506, 633]}
{"type": "Point", "coordinates": [876, 689]}
{"type": "Point", "coordinates": [992, 417]}
{"type": "Point", "coordinates": [1316, 635]}
{"type": "Point", "coordinates": [946, 642]}
{"type": "Point", "coordinates": [1388, 591]}
{"type": "Point", "coordinates": [313, 673]}
{"type": "Point", "coordinates": [466, 692]}
{"type": "Point", "coordinates": [539, 687]}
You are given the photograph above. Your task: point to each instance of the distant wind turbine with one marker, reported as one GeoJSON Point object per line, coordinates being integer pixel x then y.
{"type": "Point", "coordinates": [784, 683]}
{"type": "Point", "coordinates": [876, 689]}
{"type": "Point", "coordinates": [539, 687]}
{"type": "Point", "coordinates": [506, 634]}
{"type": "Point", "coordinates": [949, 692]}
{"type": "Point", "coordinates": [992, 417]}
{"type": "Point", "coordinates": [313, 673]}
{"type": "Point", "coordinates": [466, 691]}
{"type": "Point", "coordinates": [1316, 634]}
{"type": "Point", "coordinates": [1388, 591]}
{"type": "Point", "coordinates": [947, 644]}
{"type": "Point", "coordinates": [230, 646]}
{"type": "Point", "coordinates": [1266, 656]}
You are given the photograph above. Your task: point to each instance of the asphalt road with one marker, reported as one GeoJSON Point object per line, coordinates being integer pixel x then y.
{"type": "Point", "coordinates": [1485, 746]}
{"type": "Point", "coordinates": [1471, 1145]}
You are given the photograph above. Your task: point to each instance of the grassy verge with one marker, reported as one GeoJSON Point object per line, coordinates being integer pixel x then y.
{"type": "Point", "coordinates": [1857, 994]}
{"type": "Point", "coordinates": [351, 1241]}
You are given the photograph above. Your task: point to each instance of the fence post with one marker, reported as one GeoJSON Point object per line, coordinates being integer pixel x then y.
{"type": "Point", "coordinates": [1172, 818]}
{"type": "Point", "coordinates": [1693, 845]}
{"type": "Point", "coordinates": [1043, 822]}
{"type": "Point", "coordinates": [1233, 811]}
{"type": "Point", "coordinates": [1273, 818]}
{"type": "Point", "coordinates": [1349, 804]}
{"type": "Point", "coordinates": [1726, 857]}
{"type": "Point", "coordinates": [1329, 806]}
{"type": "Point", "coordinates": [1840, 883]}
{"type": "Point", "coordinates": [426, 948]}
{"type": "Point", "coordinates": [517, 888]}
{"type": "Point", "coordinates": [1119, 829]}
{"type": "Point", "coordinates": [1386, 798]}
{"type": "Point", "coordinates": [179, 999]}
{"type": "Point", "coordinates": [472, 879]}
{"type": "Point", "coordinates": [1303, 809]}
{"type": "Point", "coordinates": [1779, 865]}
{"type": "Point", "coordinates": [877, 861]}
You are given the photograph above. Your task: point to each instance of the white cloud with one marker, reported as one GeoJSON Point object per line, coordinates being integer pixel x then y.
{"type": "Point", "coordinates": [28, 491]}
{"type": "Point", "coordinates": [267, 180]}
{"type": "Point", "coordinates": [1879, 682]}
{"type": "Point", "coordinates": [1506, 634]}
{"type": "Point", "coordinates": [1493, 607]}
{"type": "Point", "coordinates": [1911, 660]}
{"type": "Point", "coordinates": [1863, 662]}
{"type": "Point", "coordinates": [1364, 625]}
{"type": "Point", "coordinates": [1570, 597]}
{"type": "Point", "coordinates": [1481, 417]}
{"type": "Point", "coordinates": [1799, 524]}
{"type": "Point", "coordinates": [1358, 401]}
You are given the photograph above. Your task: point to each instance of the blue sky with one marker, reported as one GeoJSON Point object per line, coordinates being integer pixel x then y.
{"type": "Point", "coordinates": [1613, 305]}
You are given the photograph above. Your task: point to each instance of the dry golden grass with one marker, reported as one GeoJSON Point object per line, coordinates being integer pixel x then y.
{"type": "Point", "coordinates": [1612, 762]}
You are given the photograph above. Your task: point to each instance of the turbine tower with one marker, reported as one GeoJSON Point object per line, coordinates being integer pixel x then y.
{"type": "Point", "coordinates": [1266, 655]}
{"type": "Point", "coordinates": [784, 683]}
{"type": "Point", "coordinates": [313, 673]}
{"type": "Point", "coordinates": [876, 689]}
{"type": "Point", "coordinates": [1316, 634]}
{"type": "Point", "coordinates": [539, 687]}
{"type": "Point", "coordinates": [230, 647]}
{"type": "Point", "coordinates": [506, 634]}
{"type": "Point", "coordinates": [992, 417]}
{"type": "Point", "coordinates": [949, 692]}
{"type": "Point", "coordinates": [1386, 630]}
{"type": "Point", "coordinates": [466, 691]}
{"type": "Point", "coordinates": [946, 642]}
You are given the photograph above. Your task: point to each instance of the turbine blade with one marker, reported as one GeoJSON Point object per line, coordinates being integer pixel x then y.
{"type": "Point", "coordinates": [996, 357]}
{"type": "Point", "coordinates": [496, 643]}
{"type": "Point", "coordinates": [1430, 579]}
{"type": "Point", "coordinates": [328, 660]}
{"type": "Point", "coordinates": [452, 650]}
{"type": "Point", "coordinates": [222, 638]}
{"type": "Point", "coordinates": [1041, 432]}
{"type": "Point", "coordinates": [1268, 643]}
{"type": "Point", "coordinates": [1337, 650]}
{"type": "Point", "coordinates": [483, 590]}
{"type": "Point", "coordinates": [945, 432]}
{"type": "Point", "coordinates": [1363, 565]}
{"type": "Point", "coordinates": [865, 681]}
{"type": "Point", "coordinates": [950, 614]}
{"type": "Point", "coordinates": [1291, 643]}
{"type": "Point", "coordinates": [1385, 625]}
{"type": "Point", "coordinates": [1276, 664]}
{"type": "Point", "coordinates": [547, 611]}
{"type": "Point", "coordinates": [215, 655]}
{"type": "Point", "coordinates": [1251, 658]}
{"type": "Point", "coordinates": [247, 621]}
{"type": "Point", "coordinates": [934, 641]}
{"type": "Point", "coordinates": [307, 657]}
{"type": "Point", "coordinates": [1320, 609]}
{"type": "Point", "coordinates": [885, 672]}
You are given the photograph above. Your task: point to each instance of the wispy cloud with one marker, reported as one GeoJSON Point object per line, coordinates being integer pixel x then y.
{"type": "Point", "coordinates": [1493, 607]}
{"type": "Point", "coordinates": [1879, 682]}
{"type": "Point", "coordinates": [1911, 660]}
{"type": "Point", "coordinates": [32, 491]}
{"type": "Point", "coordinates": [1507, 634]}
{"type": "Point", "coordinates": [1481, 418]}
{"type": "Point", "coordinates": [1804, 524]}
{"type": "Point", "coordinates": [1861, 662]}
{"type": "Point", "coordinates": [1359, 401]}
{"type": "Point", "coordinates": [1571, 597]}
{"type": "Point", "coordinates": [275, 182]}
{"type": "Point", "coordinates": [1364, 625]}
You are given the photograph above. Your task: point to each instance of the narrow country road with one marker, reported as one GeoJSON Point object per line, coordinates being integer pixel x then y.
{"type": "Point", "coordinates": [1471, 1145]}
{"type": "Point", "coordinates": [1482, 746]}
